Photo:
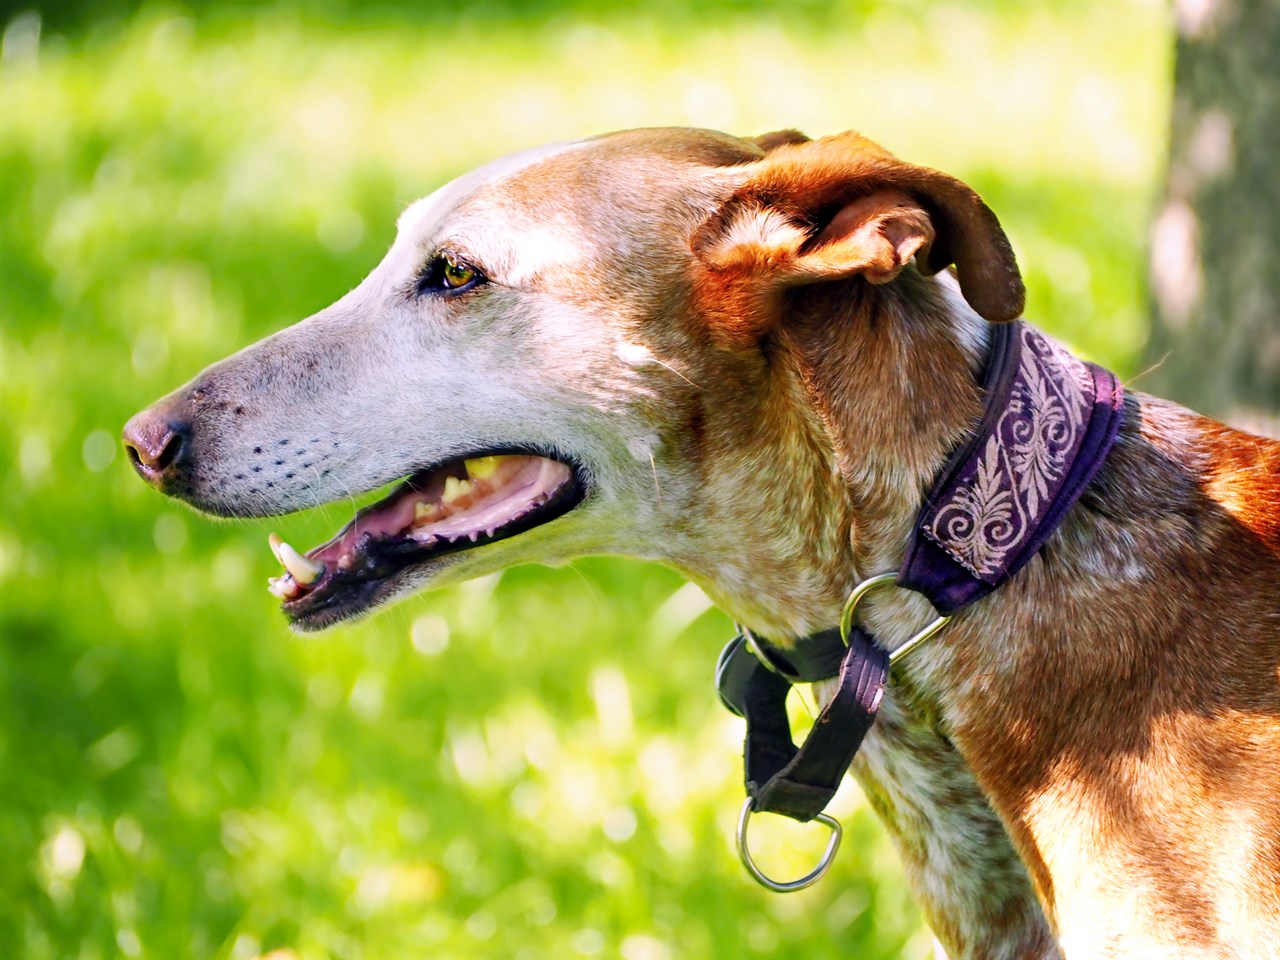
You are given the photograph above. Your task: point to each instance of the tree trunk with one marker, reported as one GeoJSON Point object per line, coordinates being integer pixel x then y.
{"type": "Point", "coordinates": [1215, 250]}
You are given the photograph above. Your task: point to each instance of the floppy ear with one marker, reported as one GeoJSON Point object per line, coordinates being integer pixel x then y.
{"type": "Point", "coordinates": [778, 138]}
{"type": "Point", "coordinates": [842, 206]}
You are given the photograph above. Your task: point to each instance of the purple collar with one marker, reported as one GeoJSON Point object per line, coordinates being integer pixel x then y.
{"type": "Point", "coordinates": [1049, 423]}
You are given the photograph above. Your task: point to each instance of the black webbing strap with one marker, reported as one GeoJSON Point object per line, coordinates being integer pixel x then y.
{"type": "Point", "coordinates": [799, 782]}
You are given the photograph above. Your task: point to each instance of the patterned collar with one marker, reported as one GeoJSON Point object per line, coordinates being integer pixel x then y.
{"type": "Point", "coordinates": [1050, 421]}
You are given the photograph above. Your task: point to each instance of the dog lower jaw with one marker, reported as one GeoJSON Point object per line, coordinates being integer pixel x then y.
{"type": "Point", "coordinates": [316, 613]}
{"type": "Point", "coordinates": [354, 603]}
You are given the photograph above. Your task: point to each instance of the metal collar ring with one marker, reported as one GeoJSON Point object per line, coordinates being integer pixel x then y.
{"type": "Point", "coordinates": [787, 886]}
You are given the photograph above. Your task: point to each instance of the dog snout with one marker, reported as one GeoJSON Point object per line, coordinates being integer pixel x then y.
{"type": "Point", "coordinates": [158, 444]}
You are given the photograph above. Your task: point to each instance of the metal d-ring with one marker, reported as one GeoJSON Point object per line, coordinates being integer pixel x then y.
{"type": "Point", "coordinates": [787, 886]}
{"type": "Point", "coordinates": [865, 587]}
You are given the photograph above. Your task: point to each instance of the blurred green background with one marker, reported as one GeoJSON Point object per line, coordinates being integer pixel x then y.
{"type": "Point", "coordinates": [533, 765]}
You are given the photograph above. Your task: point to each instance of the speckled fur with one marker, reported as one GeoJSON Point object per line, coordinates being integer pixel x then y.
{"type": "Point", "coordinates": [750, 349]}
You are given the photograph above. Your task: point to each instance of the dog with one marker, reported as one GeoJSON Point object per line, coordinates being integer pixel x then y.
{"type": "Point", "coordinates": [748, 359]}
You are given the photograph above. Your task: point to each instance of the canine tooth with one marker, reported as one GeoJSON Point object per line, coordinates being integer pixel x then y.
{"type": "Point", "coordinates": [274, 540]}
{"type": "Point", "coordinates": [455, 488]}
{"type": "Point", "coordinates": [482, 467]}
{"type": "Point", "coordinates": [305, 571]}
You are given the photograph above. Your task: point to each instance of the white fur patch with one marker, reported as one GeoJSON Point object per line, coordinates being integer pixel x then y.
{"type": "Point", "coordinates": [764, 230]}
{"type": "Point", "coordinates": [972, 333]}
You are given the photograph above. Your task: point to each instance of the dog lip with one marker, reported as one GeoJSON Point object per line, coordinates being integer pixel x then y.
{"type": "Point", "coordinates": [369, 572]}
{"type": "Point", "coordinates": [331, 608]}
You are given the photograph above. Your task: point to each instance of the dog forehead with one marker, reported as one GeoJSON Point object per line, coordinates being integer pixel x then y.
{"type": "Point", "coordinates": [632, 168]}
{"type": "Point", "coordinates": [421, 217]}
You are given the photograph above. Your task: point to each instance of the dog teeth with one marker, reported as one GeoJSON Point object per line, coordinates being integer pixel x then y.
{"type": "Point", "coordinates": [482, 467]}
{"type": "Point", "coordinates": [305, 571]}
{"type": "Point", "coordinates": [284, 587]}
{"type": "Point", "coordinates": [425, 511]}
{"type": "Point", "coordinates": [274, 540]}
{"type": "Point", "coordinates": [455, 488]}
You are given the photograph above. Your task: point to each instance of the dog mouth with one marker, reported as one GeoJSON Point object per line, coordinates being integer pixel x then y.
{"type": "Point", "coordinates": [458, 505]}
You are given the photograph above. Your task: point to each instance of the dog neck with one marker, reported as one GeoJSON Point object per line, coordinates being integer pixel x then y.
{"type": "Point", "coordinates": [893, 374]}
{"type": "Point", "coordinates": [869, 389]}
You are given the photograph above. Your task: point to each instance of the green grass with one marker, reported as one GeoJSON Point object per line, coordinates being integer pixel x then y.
{"type": "Point", "coordinates": [533, 765]}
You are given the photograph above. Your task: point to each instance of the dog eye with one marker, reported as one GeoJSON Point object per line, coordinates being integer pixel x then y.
{"type": "Point", "coordinates": [457, 275]}
{"type": "Point", "coordinates": [447, 274]}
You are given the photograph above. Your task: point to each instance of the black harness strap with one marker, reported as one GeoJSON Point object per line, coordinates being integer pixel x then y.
{"type": "Point", "coordinates": [799, 782]}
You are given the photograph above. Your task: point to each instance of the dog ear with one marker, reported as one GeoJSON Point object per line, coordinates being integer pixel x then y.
{"type": "Point", "coordinates": [842, 206]}
{"type": "Point", "coordinates": [778, 138]}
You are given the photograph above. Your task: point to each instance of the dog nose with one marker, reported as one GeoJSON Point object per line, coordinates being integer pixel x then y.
{"type": "Point", "coordinates": [155, 446]}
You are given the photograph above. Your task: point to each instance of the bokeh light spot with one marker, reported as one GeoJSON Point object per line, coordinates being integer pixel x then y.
{"type": "Point", "coordinates": [99, 450]}
{"type": "Point", "coordinates": [430, 634]}
{"type": "Point", "coordinates": [34, 458]}
{"type": "Point", "coordinates": [340, 230]}
{"type": "Point", "coordinates": [169, 533]}
{"type": "Point", "coordinates": [64, 853]}
{"type": "Point", "coordinates": [620, 824]}
{"type": "Point", "coordinates": [642, 946]}
{"type": "Point", "coordinates": [588, 942]}
{"type": "Point", "coordinates": [128, 942]}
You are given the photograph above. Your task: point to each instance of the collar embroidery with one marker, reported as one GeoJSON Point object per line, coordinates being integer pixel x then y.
{"type": "Point", "coordinates": [1050, 421]}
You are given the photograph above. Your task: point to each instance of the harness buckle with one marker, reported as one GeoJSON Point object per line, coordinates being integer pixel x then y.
{"type": "Point", "coordinates": [787, 886]}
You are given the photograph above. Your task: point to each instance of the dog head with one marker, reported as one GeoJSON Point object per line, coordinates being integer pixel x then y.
{"type": "Point", "coordinates": [569, 352]}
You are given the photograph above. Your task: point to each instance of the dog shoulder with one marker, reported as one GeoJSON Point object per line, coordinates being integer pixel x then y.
{"type": "Point", "coordinates": [1187, 479]}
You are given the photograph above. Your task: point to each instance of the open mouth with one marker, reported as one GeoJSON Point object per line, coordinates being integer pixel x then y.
{"type": "Point", "coordinates": [459, 505]}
